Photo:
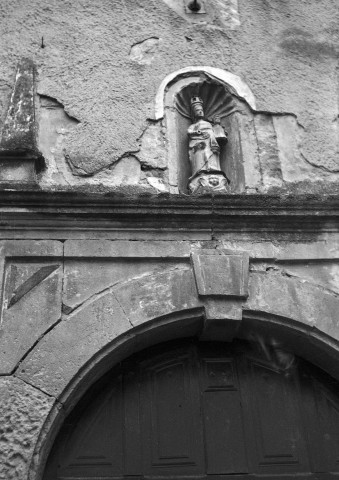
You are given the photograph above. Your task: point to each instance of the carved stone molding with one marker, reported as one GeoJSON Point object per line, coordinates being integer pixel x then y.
{"type": "Point", "coordinates": [20, 158]}
{"type": "Point", "coordinates": [211, 182]}
{"type": "Point", "coordinates": [62, 214]}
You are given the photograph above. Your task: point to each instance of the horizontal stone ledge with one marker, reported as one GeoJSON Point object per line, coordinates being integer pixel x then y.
{"type": "Point", "coordinates": [78, 200]}
{"type": "Point", "coordinates": [326, 250]}
{"type": "Point", "coordinates": [126, 249]}
{"type": "Point", "coordinates": [89, 224]}
{"type": "Point", "coordinates": [323, 251]}
{"type": "Point", "coordinates": [31, 248]}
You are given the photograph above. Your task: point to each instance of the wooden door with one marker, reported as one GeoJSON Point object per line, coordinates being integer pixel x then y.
{"type": "Point", "coordinates": [196, 410]}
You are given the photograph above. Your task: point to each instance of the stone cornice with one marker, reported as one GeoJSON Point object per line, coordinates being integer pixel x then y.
{"type": "Point", "coordinates": [72, 210]}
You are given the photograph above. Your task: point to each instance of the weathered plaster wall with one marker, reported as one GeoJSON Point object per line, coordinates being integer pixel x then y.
{"type": "Point", "coordinates": [100, 63]}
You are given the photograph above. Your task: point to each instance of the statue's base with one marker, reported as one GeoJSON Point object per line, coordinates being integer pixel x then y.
{"type": "Point", "coordinates": [208, 182]}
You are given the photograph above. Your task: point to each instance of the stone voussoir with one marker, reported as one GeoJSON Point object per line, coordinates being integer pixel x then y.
{"type": "Point", "coordinates": [59, 356]}
{"type": "Point", "coordinates": [157, 295]}
{"type": "Point", "coordinates": [309, 305]}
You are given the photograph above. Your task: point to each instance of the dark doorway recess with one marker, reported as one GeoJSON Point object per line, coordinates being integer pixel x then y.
{"type": "Point", "coordinates": [200, 410]}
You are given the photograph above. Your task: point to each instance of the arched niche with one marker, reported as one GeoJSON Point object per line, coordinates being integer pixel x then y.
{"type": "Point", "coordinates": [188, 408]}
{"type": "Point", "coordinates": [224, 95]}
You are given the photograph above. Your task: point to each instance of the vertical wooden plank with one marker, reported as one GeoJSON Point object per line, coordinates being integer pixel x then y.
{"type": "Point", "coordinates": [311, 421]}
{"type": "Point", "coordinates": [275, 430]}
{"type": "Point", "coordinates": [115, 427]}
{"type": "Point", "coordinates": [94, 444]}
{"type": "Point", "coordinates": [330, 430]}
{"type": "Point", "coordinates": [322, 411]}
{"type": "Point", "coordinates": [224, 434]}
{"type": "Point", "coordinates": [132, 432]}
{"type": "Point", "coordinates": [171, 424]}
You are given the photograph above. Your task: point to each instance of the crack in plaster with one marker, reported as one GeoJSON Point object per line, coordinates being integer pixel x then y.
{"type": "Point", "coordinates": [144, 52]}
{"type": "Point", "coordinates": [57, 104]}
{"type": "Point", "coordinates": [127, 153]}
{"type": "Point", "coordinates": [321, 167]}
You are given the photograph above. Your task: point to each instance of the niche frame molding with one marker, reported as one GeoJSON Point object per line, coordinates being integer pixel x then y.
{"type": "Point", "coordinates": [165, 111]}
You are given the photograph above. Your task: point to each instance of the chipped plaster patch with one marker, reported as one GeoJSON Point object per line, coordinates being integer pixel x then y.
{"type": "Point", "coordinates": [157, 183]}
{"type": "Point", "coordinates": [144, 52]}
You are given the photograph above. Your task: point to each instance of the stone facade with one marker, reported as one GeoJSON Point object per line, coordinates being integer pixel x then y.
{"type": "Point", "coordinates": [121, 279]}
{"type": "Point", "coordinates": [103, 250]}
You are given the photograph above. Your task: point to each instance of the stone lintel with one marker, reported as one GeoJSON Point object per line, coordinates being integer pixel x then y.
{"type": "Point", "coordinates": [127, 249]}
{"type": "Point", "coordinates": [30, 248]}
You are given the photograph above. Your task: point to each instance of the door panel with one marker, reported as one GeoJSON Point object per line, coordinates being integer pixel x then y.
{"type": "Point", "coordinates": [132, 423]}
{"type": "Point", "coordinates": [224, 433]}
{"type": "Point", "coordinates": [95, 444]}
{"type": "Point", "coordinates": [214, 411]}
{"type": "Point", "coordinates": [278, 432]}
{"type": "Point", "coordinates": [171, 416]}
{"type": "Point", "coordinates": [322, 415]}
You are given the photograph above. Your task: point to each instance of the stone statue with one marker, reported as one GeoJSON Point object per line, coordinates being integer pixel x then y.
{"type": "Point", "coordinates": [205, 140]}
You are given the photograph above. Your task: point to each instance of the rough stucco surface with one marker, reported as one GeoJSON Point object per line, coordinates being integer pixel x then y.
{"type": "Point", "coordinates": [87, 61]}
{"type": "Point", "coordinates": [299, 57]}
{"type": "Point", "coordinates": [23, 412]}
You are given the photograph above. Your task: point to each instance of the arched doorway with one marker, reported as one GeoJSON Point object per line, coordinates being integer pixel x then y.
{"type": "Point", "coordinates": [190, 409]}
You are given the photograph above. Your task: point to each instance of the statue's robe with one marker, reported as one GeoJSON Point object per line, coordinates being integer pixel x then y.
{"type": "Point", "coordinates": [204, 149]}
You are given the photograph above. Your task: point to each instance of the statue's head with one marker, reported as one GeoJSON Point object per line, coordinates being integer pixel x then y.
{"type": "Point", "coordinates": [197, 107]}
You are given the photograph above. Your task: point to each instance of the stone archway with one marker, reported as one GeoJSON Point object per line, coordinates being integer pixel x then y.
{"type": "Point", "coordinates": [131, 316]}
